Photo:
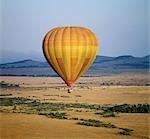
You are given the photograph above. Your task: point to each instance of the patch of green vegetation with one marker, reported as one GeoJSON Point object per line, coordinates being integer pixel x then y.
{"type": "Point", "coordinates": [56, 115]}
{"type": "Point", "coordinates": [109, 111]}
{"type": "Point", "coordinates": [5, 94]}
{"type": "Point", "coordinates": [65, 96]}
{"type": "Point", "coordinates": [96, 123]}
{"type": "Point", "coordinates": [14, 101]}
{"type": "Point", "coordinates": [53, 99]}
{"type": "Point", "coordinates": [106, 114]}
{"type": "Point", "coordinates": [3, 84]}
{"type": "Point", "coordinates": [47, 106]}
{"type": "Point", "coordinates": [74, 118]}
{"type": "Point", "coordinates": [84, 106]}
{"type": "Point", "coordinates": [63, 106]}
{"type": "Point", "coordinates": [78, 95]}
{"type": "Point", "coordinates": [78, 110]}
{"type": "Point", "coordinates": [52, 110]}
{"type": "Point", "coordinates": [51, 95]}
{"type": "Point", "coordinates": [128, 108]}
{"type": "Point", "coordinates": [125, 131]}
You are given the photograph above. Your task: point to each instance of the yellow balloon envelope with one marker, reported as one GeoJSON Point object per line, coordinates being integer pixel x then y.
{"type": "Point", "coordinates": [70, 51]}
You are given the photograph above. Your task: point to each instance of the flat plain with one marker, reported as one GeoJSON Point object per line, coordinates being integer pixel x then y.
{"type": "Point", "coordinates": [106, 107]}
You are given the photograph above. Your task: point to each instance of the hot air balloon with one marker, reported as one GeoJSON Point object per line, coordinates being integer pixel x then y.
{"type": "Point", "coordinates": [70, 51]}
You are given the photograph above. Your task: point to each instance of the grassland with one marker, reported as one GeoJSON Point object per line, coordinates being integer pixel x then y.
{"type": "Point", "coordinates": [41, 108]}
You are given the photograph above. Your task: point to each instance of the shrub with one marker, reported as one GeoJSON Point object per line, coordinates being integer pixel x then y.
{"type": "Point", "coordinates": [96, 123]}
{"type": "Point", "coordinates": [77, 95]}
{"type": "Point", "coordinates": [13, 101]}
{"type": "Point", "coordinates": [128, 108]}
{"type": "Point", "coordinates": [74, 118]}
{"type": "Point", "coordinates": [3, 84]}
{"type": "Point", "coordinates": [125, 131]}
{"type": "Point", "coordinates": [55, 115]}
{"type": "Point", "coordinates": [107, 114]}
{"type": "Point", "coordinates": [65, 96]}
{"type": "Point", "coordinates": [5, 94]}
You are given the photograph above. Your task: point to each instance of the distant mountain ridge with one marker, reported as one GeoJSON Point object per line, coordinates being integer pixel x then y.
{"type": "Point", "coordinates": [102, 64]}
{"type": "Point", "coordinates": [24, 64]}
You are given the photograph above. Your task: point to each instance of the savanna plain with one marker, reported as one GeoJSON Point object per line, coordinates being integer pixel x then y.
{"type": "Point", "coordinates": [104, 107]}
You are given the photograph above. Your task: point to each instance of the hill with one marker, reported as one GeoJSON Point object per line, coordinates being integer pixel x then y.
{"type": "Point", "coordinates": [101, 66]}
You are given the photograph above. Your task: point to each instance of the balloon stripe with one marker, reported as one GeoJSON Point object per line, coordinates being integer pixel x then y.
{"type": "Point", "coordinates": [52, 52]}
{"type": "Point", "coordinates": [85, 64]}
{"type": "Point", "coordinates": [76, 59]}
{"type": "Point", "coordinates": [95, 46]}
{"type": "Point", "coordinates": [86, 58]}
{"type": "Point", "coordinates": [48, 48]}
{"type": "Point", "coordinates": [78, 52]}
{"type": "Point", "coordinates": [81, 50]}
{"type": "Point", "coordinates": [88, 62]}
{"type": "Point", "coordinates": [58, 52]}
{"type": "Point", "coordinates": [71, 57]}
{"type": "Point", "coordinates": [45, 47]}
{"type": "Point", "coordinates": [66, 53]}
{"type": "Point", "coordinates": [73, 47]}
{"type": "Point", "coordinates": [61, 61]}
{"type": "Point", "coordinates": [62, 47]}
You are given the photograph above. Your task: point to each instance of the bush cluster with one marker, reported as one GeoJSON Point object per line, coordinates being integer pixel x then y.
{"type": "Point", "coordinates": [3, 84]}
{"type": "Point", "coordinates": [107, 114]}
{"type": "Point", "coordinates": [125, 131]}
{"type": "Point", "coordinates": [128, 108]}
{"type": "Point", "coordinates": [56, 115]}
{"type": "Point", "coordinates": [96, 123]}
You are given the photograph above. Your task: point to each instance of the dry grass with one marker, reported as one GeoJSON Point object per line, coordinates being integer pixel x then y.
{"type": "Point", "coordinates": [33, 126]}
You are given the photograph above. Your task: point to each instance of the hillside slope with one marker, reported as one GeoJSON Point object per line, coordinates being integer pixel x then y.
{"type": "Point", "coordinates": [101, 66]}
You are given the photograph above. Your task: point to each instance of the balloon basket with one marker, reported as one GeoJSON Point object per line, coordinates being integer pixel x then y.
{"type": "Point", "coordinates": [69, 90]}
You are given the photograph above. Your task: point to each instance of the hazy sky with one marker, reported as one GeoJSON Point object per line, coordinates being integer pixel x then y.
{"type": "Point", "coordinates": [121, 25]}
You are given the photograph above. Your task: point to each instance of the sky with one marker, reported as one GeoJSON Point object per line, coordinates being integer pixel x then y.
{"type": "Point", "coordinates": [120, 25]}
